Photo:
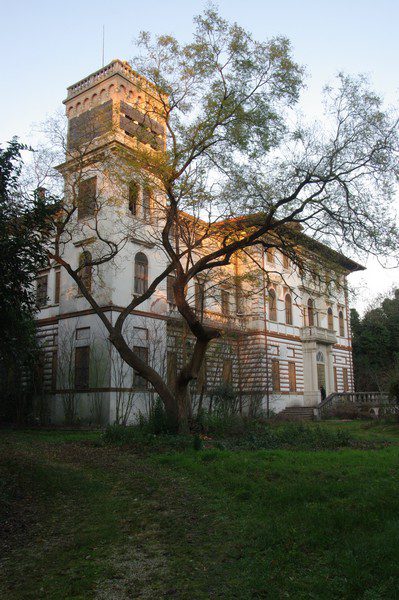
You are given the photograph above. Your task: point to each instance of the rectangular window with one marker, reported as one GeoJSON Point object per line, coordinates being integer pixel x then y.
{"type": "Point", "coordinates": [345, 379]}
{"type": "Point", "coordinates": [225, 300]}
{"type": "Point", "coordinates": [54, 367]}
{"type": "Point", "coordinates": [41, 290]}
{"type": "Point", "coordinates": [82, 367]}
{"type": "Point", "coordinates": [138, 381]}
{"type": "Point", "coordinates": [199, 291]}
{"type": "Point", "coordinates": [276, 375]}
{"type": "Point", "coordinates": [292, 376]}
{"type": "Point", "coordinates": [335, 380]}
{"type": "Point", "coordinates": [227, 372]}
{"type": "Point", "coordinates": [57, 285]}
{"type": "Point", "coordinates": [87, 198]}
{"type": "Point", "coordinates": [170, 280]}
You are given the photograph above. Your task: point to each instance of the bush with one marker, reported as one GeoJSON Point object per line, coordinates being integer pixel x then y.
{"type": "Point", "coordinates": [134, 436]}
{"type": "Point", "coordinates": [290, 436]}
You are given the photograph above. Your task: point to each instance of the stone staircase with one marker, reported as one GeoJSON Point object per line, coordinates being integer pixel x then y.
{"type": "Point", "coordinates": [297, 413]}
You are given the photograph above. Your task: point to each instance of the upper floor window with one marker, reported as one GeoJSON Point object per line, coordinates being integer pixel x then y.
{"type": "Point", "coordinates": [341, 323]}
{"type": "Point", "coordinates": [133, 197]}
{"type": "Point", "coordinates": [147, 201]}
{"type": "Point", "coordinates": [82, 367]}
{"type": "Point", "coordinates": [139, 381]}
{"type": "Point", "coordinates": [170, 293]}
{"type": "Point", "coordinates": [270, 255]}
{"type": "Point", "coordinates": [311, 312]}
{"type": "Point", "coordinates": [85, 269]}
{"type": "Point", "coordinates": [140, 273]}
{"type": "Point", "coordinates": [225, 302]}
{"type": "Point", "coordinates": [288, 309]}
{"type": "Point", "coordinates": [272, 305]}
{"type": "Point", "coordinates": [275, 375]}
{"type": "Point", "coordinates": [57, 285]}
{"type": "Point", "coordinates": [41, 290]}
{"type": "Point", "coordinates": [286, 262]}
{"type": "Point", "coordinates": [87, 197]}
{"type": "Point", "coordinates": [330, 319]}
{"type": "Point", "coordinates": [199, 293]}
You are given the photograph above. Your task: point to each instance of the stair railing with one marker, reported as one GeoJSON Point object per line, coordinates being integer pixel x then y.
{"type": "Point", "coordinates": [375, 399]}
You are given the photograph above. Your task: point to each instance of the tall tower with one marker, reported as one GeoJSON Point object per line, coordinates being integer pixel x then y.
{"type": "Point", "coordinates": [115, 104]}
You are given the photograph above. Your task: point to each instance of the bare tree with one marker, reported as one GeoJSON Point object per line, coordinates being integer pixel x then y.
{"type": "Point", "coordinates": [237, 174]}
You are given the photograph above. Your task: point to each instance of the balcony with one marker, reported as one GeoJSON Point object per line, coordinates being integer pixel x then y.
{"type": "Point", "coordinates": [213, 319]}
{"type": "Point", "coordinates": [312, 333]}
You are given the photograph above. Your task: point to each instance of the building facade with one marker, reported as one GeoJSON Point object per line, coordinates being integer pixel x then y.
{"type": "Point", "coordinates": [285, 334]}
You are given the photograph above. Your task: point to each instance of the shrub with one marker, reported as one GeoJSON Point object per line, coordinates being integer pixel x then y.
{"type": "Point", "coordinates": [291, 436]}
{"type": "Point", "coordinates": [134, 436]}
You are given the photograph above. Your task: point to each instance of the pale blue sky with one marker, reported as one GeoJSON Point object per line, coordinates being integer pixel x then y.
{"type": "Point", "coordinates": [48, 45]}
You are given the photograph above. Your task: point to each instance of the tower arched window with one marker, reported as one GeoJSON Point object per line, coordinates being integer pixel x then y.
{"type": "Point", "coordinates": [147, 201]}
{"type": "Point", "coordinates": [311, 312]}
{"type": "Point", "coordinates": [140, 273]}
{"type": "Point", "coordinates": [86, 269]}
{"type": "Point", "coordinates": [272, 305]}
{"type": "Point", "coordinates": [330, 319]}
{"type": "Point", "coordinates": [133, 197]}
{"type": "Point", "coordinates": [288, 309]}
{"type": "Point", "coordinates": [341, 323]}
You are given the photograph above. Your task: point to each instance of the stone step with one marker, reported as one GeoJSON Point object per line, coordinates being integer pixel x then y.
{"type": "Point", "coordinates": [296, 413]}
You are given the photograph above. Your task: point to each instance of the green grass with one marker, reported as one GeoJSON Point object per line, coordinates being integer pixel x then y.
{"type": "Point", "coordinates": [86, 520]}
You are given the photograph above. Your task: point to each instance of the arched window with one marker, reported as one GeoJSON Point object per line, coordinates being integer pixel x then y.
{"type": "Point", "coordinates": [133, 197]}
{"type": "Point", "coordinates": [272, 305]}
{"type": "Point", "coordinates": [85, 267]}
{"type": "Point", "coordinates": [330, 319]}
{"type": "Point", "coordinates": [140, 273]}
{"type": "Point", "coordinates": [288, 309]}
{"type": "Point", "coordinates": [341, 323]}
{"type": "Point", "coordinates": [146, 203]}
{"type": "Point", "coordinates": [286, 262]}
{"type": "Point", "coordinates": [311, 314]}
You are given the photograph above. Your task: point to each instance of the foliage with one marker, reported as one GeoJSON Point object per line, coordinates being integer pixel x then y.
{"type": "Point", "coordinates": [24, 230]}
{"type": "Point", "coordinates": [139, 437]}
{"type": "Point", "coordinates": [376, 345]}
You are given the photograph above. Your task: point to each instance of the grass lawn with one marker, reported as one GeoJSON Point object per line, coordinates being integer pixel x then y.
{"type": "Point", "coordinates": [81, 520]}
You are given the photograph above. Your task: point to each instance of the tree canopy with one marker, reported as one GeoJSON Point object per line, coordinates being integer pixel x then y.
{"type": "Point", "coordinates": [24, 228]}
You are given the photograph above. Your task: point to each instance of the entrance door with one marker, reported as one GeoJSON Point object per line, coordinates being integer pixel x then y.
{"type": "Point", "coordinates": [321, 376]}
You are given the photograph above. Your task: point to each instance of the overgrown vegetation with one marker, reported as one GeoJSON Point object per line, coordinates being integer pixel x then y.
{"type": "Point", "coordinates": [24, 229]}
{"type": "Point", "coordinates": [226, 432]}
{"type": "Point", "coordinates": [376, 346]}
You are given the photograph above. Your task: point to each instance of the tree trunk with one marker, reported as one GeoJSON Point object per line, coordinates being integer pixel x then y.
{"type": "Point", "coordinates": [182, 406]}
{"type": "Point", "coordinates": [171, 403]}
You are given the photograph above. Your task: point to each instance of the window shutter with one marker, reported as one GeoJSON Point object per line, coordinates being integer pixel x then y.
{"type": "Point", "coordinates": [275, 375]}
{"type": "Point", "coordinates": [41, 290]}
{"type": "Point", "coordinates": [87, 197]}
{"type": "Point", "coordinates": [138, 381]}
{"type": "Point", "coordinates": [133, 197]}
{"type": "Point", "coordinates": [292, 376]}
{"type": "Point", "coordinates": [82, 367]}
{"type": "Point", "coordinates": [57, 286]}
